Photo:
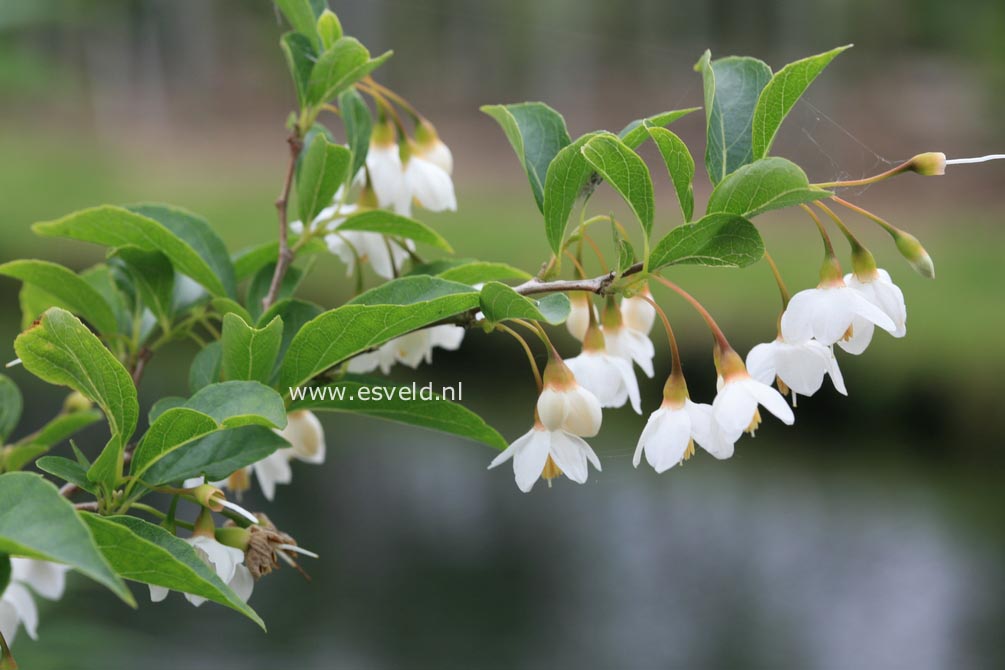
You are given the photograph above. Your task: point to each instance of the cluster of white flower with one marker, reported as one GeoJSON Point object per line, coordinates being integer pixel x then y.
{"type": "Point", "coordinates": [17, 606]}
{"type": "Point", "coordinates": [842, 311]}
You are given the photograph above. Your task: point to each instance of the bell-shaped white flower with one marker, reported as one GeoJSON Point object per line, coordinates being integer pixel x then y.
{"type": "Point", "coordinates": [306, 437]}
{"type": "Point", "coordinates": [735, 407]}
{"type": "Point", "coordinates": [799, 367]}
{"type": "Point", "coordinates": [579, 315]}
{"type": "Point", "coordinates": [227, 562]}
{"type": "Point", "coordinates": [826, 313]}
{"type": "Point", "coordinates": [637, 313]}
{"type": "Point", "coordinates": [610, 378]}
{"type": "Point", "coordinates": [880, 290]}
{"type": "Point", "coordinates": [429, 146]}
{"type": "Point", "coordinates": [17, 606]}
{"type": "Point", "coordinates": [564, 404]}
{"type": "Point", "coordinates": [382, 254]}
{"type": "Point", "coordinates": [387, 174]}
{"type": "Point", "coordinates": [429, 185]}
{"type": "Point", "coordinates": [672, 431]}
{"type": "Point", "coordinates": [411, 349]}
{"type": "Point", "coordinates": [625, 342]}
{"type": "Point", "coordinates": [548, 454]}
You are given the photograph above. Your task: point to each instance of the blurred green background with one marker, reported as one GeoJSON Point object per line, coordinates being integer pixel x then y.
{"type": "Point", "coordinates": [868, 536]}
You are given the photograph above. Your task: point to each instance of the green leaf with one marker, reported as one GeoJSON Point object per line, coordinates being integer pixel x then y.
{"type": "Point", "coordinates": [338, 68]}
{"type": "Point", "coordinates": [301, 18]}
{"type": "Point", "coordinates": [300, 57]}
{"type": "Point", "coordinates": [537, 133]}
{"type": "Point", "coordinates": [467, 271]}
{"type": "Point", "coordinates": [60, 428]}
{"type": "Point", "coordinates": [379, 315]}
{"type": "Point", "coordinates": [153, 277]}
{"type": "Point", "coordinates": [500, 302]}
{"type": "Point", "coordinates": [250, 353]}
{"type": "Point", "coordinates": [680, 166]}
{"type": "Point", "coordinates": [262, 282]}
{"type": "Point", "coordinates": [717, 240]}
{"type": "Point", "coordinates": [61, 350]}
{"type": "Point", "coordinates": [781, 94]}
{"type": "Point", "coordinates": [328, 25]}
{"type": "Point", "coordinates": [237, 403]}
{"type": "Point", "coordinates": [626, 256]}
{"type": "Point", "coordinates": [399, 403]}
{"type": "Point", "coordinates": [197, 234]}
{"type": "Point", "coordinates": [67, 470]}
{"type": "Point", "coordinates": [170, 430]}
{"type": "Point", "coordinates": [207, 367]}
{"type": "Point", "coordinates": [249, 261]}
{"type": "Point", "coordinates": [66, 286]}
{"type": "Point", "coordinates": [295, 314]}
{"type": "Point", "coordinates": [163, 405]}
{"type": "Point", "coordinates": [387, 223]}
{"type": "Point", "coordinates": [118, 227]}
{"type": "Point", "coordinates": [225, 306]}
{"type": "Point", "coordinates": [52, 531]}
{"type": "Point", "coordinates": [215, 456]}
{"type": "Point", "coordinates": [564, 184]}
{"type": "Point", "coordinates": [142, 552]}
{"type": "Point", "coordinates": [766, 184]}
{"type": "Point", "coordinates": [634, 134]}
{"type": "Point", "coordinates": [623, 169]}
{"type": "Point", "coordinates": [11, 404]}
{"type": "Point", "coordinates": [732, 86]}
{"type": "Point", "coordinates": [325, 166]}
{"type": "Point", "coordinates": [358, 126]}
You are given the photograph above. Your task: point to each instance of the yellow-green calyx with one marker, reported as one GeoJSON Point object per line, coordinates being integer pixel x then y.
{"type": "Point", "coordinates": [728, 363]}
{"type": "Point", "coordinates": [911, 249]}
{"type": "Point", "coordinates": [557, 375]}
{"type": "Point", "coordinates": [76, 402]}
{"type": "Point", "coordinates": [425, 134]}
{"type": "Point", "coordinates": [204, 524]}
{"type": "Point", "coordinates": [930, 164]}
{"type": "Point", "coordinates": [830, 271]}
{"type": "Point", "coordinates": [367, 198]}
{"type": "Point", "coordinates": [594, 339]}
{"type": "Point", "coordinates": [234, 536]}
{"type": "Point", "coordinates": [863, 263]}
{"type": "Point", "coordinates": [675, 390]}
{"type": "Point", "coordinates": [611, 318]}
{"type": "Point", "coordinates": [209, 496]}
{"type": "Point", "coordinates": [384, 134]}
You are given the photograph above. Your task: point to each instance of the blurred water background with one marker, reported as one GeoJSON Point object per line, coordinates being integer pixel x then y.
{"type": "Point", "coordinates": [870, 536]}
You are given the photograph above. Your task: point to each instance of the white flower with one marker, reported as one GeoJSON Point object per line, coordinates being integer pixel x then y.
{"type": "Point", "coordinates": [609, 378]}
{"type": "Point", "coordinates": [735, 406]}
{"type": "Point", "coordinates": [382, 254]}
{"type": "Point", "coordinates": [548, 453]}
{"type": "Point", "coordinates": [429, 185]}
{"type": "Point", "coordinates": [826, 314]}
{"type": "Point", "coordinates": [799, 367]}
{"type": "Point", "coordinates": [637, 313]}
{"type": "Point", "coordinates": [579, 316]}
{"type": "Point", "coordinates": [631, 345]}
{"type": "Point", "coordinates": [306, 437]}
{"type": "Point", "coordinates": [437, 153]}
{"type": "Point", "coordinates": [387, 176]}
{"type": "Point", "coordinates": [227, 562]}
{"type": "Point", "coordinates": [44, 578]}
{"type": "Point", "coordinates": [884, 294]}
{"type": "Point", "coordinates": [411, 349]}
{"type": "Point", "coordinates": [570, 408]}
{"type": "Point", "coordinates": [672, 430]}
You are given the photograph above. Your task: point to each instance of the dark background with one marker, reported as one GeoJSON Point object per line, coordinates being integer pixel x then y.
{"type": "Point", "coordinates": [869, 535]}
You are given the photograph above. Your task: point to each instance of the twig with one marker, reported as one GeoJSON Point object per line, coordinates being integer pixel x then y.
{"type": "Point", "coordinates": [140, 365]}
{"type": "Point", "coordinates": [598, 285]}
{"type": "Point", "coordinates": [285, 253]}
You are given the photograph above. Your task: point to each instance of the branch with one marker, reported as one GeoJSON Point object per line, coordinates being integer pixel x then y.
{"type": "Point", "coordinates": [285, 253]}
{"type": "Point", "coordinates": [598, 285]}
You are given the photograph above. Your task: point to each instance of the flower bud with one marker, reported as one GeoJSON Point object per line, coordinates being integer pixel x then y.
{"type": "Point", "coordinates": [329, 28]}
{"type": "Point", "coordinates": [579, 316]}
{"type": "Point", "coordinates": [931, 164]}
{"type": "Point", "coordinates": [77, 402]}
{"type": "Point", "coordinates": [234, 536]}
{"type": "Point", "coordinates": [911, 249]}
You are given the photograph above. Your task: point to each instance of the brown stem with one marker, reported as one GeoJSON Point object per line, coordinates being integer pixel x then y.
{"type": "Point", "coordinates": [598, 285]}
{"type": "Point", "coordinates": [140, 365]}
{"type": "Point", "coordinates": [87, 506]}
{"type": "Point", "coordinates": [285, 253]}
{"type": "Point", "coordinates": [7, 661]}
